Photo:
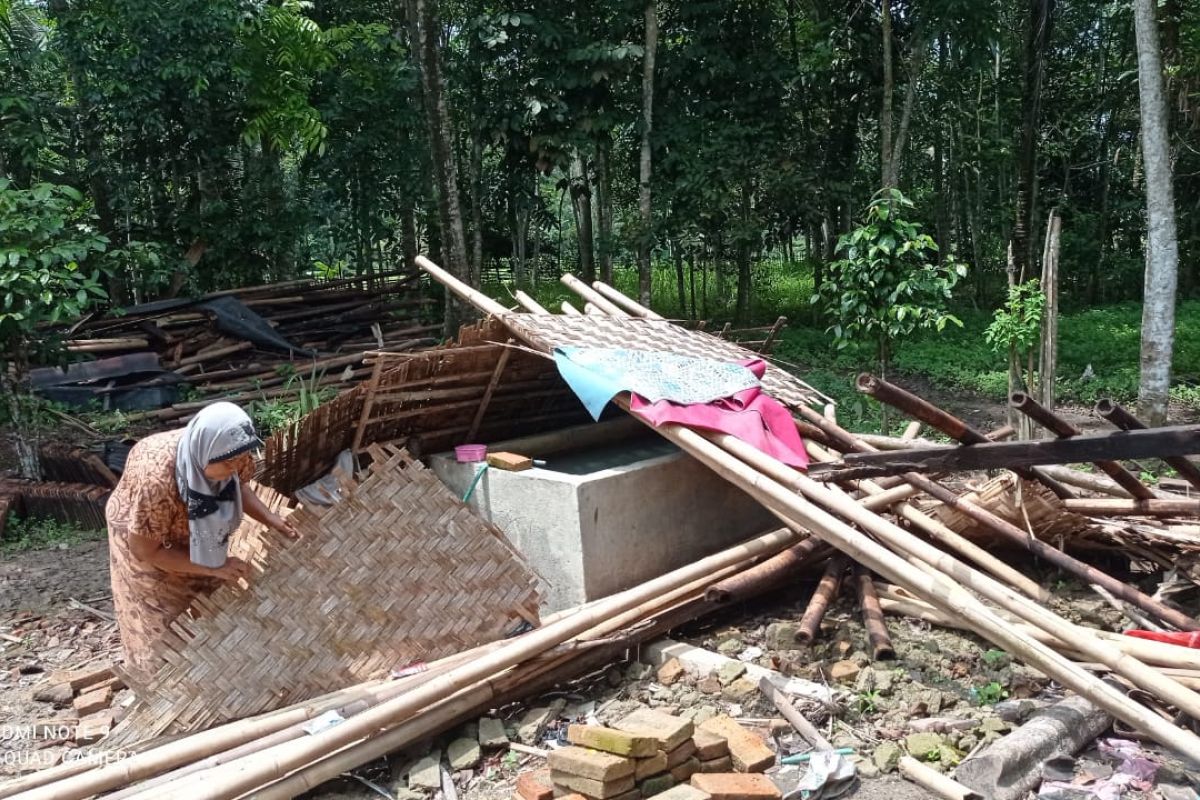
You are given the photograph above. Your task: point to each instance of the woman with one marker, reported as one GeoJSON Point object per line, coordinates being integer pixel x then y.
{"type": "Point", "coordinates": [181, 497]}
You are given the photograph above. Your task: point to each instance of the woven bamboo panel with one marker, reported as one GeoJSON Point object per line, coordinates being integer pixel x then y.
{"type": "Point", "coordinates": [399, 570]}
{"type": "Point", "coordinates": [80, 504]}
{"type": "Point", "coordinates": [1034, 508]}
{"type": "Point", "coordinates": [428, 401]}
{"type": "Point", "coordinates": [546, 332]}
{"type": "Point", "coordinates": [296, 455]}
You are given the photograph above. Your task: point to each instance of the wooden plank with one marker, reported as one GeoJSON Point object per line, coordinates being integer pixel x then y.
{"type": "Point", "coordinates": [486, 400]}
{"type": "Point", "coordinates": [1178, 440]}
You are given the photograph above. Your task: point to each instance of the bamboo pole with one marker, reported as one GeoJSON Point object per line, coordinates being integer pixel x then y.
{"type": "Point", "coordinates": [821, 599]}
{"type": "Point", "coordinates": [1123, 419]}
{"type": "Point", "coordinates": [570, 310]}
{"type": "Point", "coordinates": [1017, 536]}
{"type": "Point", "coordinates": [1162, 655]}
{"type": "Point", "coordinates": [602, 304]}
{"type": "Point", "coordinates": [931, 780]}
{"type": "Point", "coordinates": [868, 603]}
{"type": "Point", "coordinates": [628, 303]}
{"type": "Point", "coordinates": [1063, 429]}
{"type": "Point", "coordinates": [1120, 507]}
{"type": "Point", "coordinates": [528, 303]}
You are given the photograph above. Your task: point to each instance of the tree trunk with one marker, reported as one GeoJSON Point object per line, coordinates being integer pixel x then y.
{"type": "Point", "coordinates": [581, 205]}
{"type": "Point", "coordinates": [886, 155]}
{"type": "Point", "coordinates": [408, 231]}
{"type": "Point", "coordinates": [426, 27]}
{"type": "Point", "coordinates": [680, 284]}
{"type": "Point", "coordinates": [742, 307]}
{"type": "Point", "coordinates": [1162, 247]}
{"type": "Point", "coordinates": [1048, 358]}
{"type": "Point", "coordinates": [646, 240]}
{"type": "Point", "coordinates": [692, 279]}
{"type": "Point", "coordinates": [476, 178]}
{"type": "Point", "coordinates": [1036, 43]}
{"type": "Point", "coordinates": [604, 213]}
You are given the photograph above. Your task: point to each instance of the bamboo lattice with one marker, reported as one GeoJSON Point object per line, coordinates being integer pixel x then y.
{"type": "Point", "coordinates": [547, 331]}
{"type": "Point", "coordinates": [398, 571]}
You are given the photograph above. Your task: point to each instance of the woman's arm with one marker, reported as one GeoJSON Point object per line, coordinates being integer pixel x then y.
{"type": "Point", "coordinates": [176, 561]}
{"type": "Point", "coordinates": [257, 510]}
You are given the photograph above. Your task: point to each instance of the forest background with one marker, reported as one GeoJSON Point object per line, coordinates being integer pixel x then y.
{"type": "Point", "coordinates": [715, 158]}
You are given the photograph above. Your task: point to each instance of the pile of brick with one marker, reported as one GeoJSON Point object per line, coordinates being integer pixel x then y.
{"type": "Point", "coordinates": [649, 754]}
{"type": "Point", "coordinates": [89, 694]}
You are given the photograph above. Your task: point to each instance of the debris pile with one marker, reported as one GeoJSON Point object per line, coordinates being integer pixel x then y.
{"type": "Point", "coordinates": [260, 342]}
{"type": "Point", "coordinates": [877, 517]}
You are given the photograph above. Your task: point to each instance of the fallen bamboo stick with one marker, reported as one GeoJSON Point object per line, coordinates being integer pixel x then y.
{"type": "Point", "coordinates": [821, 599]}
{"type": "Point", "coordinates": [628, 303]}
{"type": "Point", "coordinates": [1017, 536]}
{"type": "Point", "coordinates": [1118, 507]}
{"type": "Point", "coordinates": [931, 780]}
{"type": "Point", "coordinates": [1065, 430]}
{"type": "Point", "coordinates": [793, 715]}
{"type": "Point", "coordinates": [599, 301]}
{"type": "Point", "coordinates": [868, 603]}
{"type": "Point", "coordinates": [1117, 415]}
{"type": "Point", "coordinates": [944, 591]}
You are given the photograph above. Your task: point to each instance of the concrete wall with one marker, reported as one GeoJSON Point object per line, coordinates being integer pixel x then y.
{"type": "Point", "coordinates": [612, 518]}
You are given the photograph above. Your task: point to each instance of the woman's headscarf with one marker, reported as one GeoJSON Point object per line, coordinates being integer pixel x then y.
{"type": "Point", "coordinates": [220, 431]}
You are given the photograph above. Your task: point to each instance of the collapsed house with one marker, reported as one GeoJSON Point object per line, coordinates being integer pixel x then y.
{"type": "Point", "coordinates": [881, 505]}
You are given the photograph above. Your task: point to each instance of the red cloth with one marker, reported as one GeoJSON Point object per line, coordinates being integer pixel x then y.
{"type": "Point", "coordinates": [1183, 638]}
{"type": "Point", "coordinates": [752, 416]}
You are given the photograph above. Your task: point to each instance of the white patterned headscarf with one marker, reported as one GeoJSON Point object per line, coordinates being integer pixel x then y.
{"type": "Point", "coordinates": [220, 431]}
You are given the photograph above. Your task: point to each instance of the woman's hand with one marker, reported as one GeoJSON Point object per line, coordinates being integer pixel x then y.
{"type": "Point", "coordinates": [233, 569]}
{"type": "Point", "coordinates": [284, 526]}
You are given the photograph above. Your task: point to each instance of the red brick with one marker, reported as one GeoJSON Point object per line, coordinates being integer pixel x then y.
{"type": "Point", "coordinates": [681, 754]}
{"type": "Point", "coordinates": [686, 770]}
{"type": "Point", "coordinates": [535, 785]}
{"type": "Point", "coordinates": [668, 730]}
{"type": "Point", "coordinates": [619, 743]}
{"type": "Point", "coordinates": [750, 753]}
{"type": "Point", "coordinates": [671, 672]}
{"type": "Point", "coordinates": [593, 764]}
{"type": "Point", "coordinates": [93, 702]}
{"type": "Point", "coordinates": [654, 765]}
{"type": "Point", "coordinates": [709, 745]}
{"type": "Point", "coordinates": [736, 786]}
{"type": "Point", "coordinates": [720, 764]}
{"type": "Point", "coordinates": [601, 790]}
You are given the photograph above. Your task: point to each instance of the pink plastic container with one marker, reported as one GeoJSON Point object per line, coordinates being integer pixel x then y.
{"type": "Point", "coordinates": [470, 453]}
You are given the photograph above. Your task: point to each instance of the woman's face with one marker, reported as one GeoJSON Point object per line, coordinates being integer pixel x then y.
{"type": "Point", "coordinates": [221, 470]}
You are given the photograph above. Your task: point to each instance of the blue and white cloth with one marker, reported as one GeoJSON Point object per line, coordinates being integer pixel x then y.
{"type": "Point", "coordinates": [597, 374]}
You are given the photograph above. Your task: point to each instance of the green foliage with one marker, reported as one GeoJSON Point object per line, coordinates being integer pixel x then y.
{"type": "Point", "coordinates": [989, 694]}
{"type": "Point", "coordinates": [270, 414]}
{"type": "Point", "coordinates": [866, 702]}
{"type": "Point", "coordinates": [46, 235]}
{"type": "Point", "coordinates": [1017, 324]}
{"type": "Point", "coordinates": [887, 284]}
{"type": "Point", "coordinates": [282, 53]}
{"type": "Point", "coordinates": [21, 534]}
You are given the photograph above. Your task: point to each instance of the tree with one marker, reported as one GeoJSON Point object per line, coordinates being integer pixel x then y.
{"type": "Point", "coordinates": [1037, 38]}
{"type": "Point", "coordinates": [645, 211]}
{"type": "Point", "coordinates": [888, 283]}
{"type": "Point", "coordinates": [1162, 246]}
{"type": "Point", "coordinates": [47, 234]}
{"type": "Point", "coordinates": [426, 28]}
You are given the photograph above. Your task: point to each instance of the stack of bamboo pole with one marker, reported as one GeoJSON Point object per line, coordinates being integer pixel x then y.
{"type": "Point", "coordinates": [940, 579]}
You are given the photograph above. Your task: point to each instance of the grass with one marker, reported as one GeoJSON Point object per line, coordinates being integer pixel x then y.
{"type": "Point", "coordinates": [21, 535]}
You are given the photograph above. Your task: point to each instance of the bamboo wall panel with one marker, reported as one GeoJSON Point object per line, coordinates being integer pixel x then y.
{"type": "Point", "coordinates": [398, 571]}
